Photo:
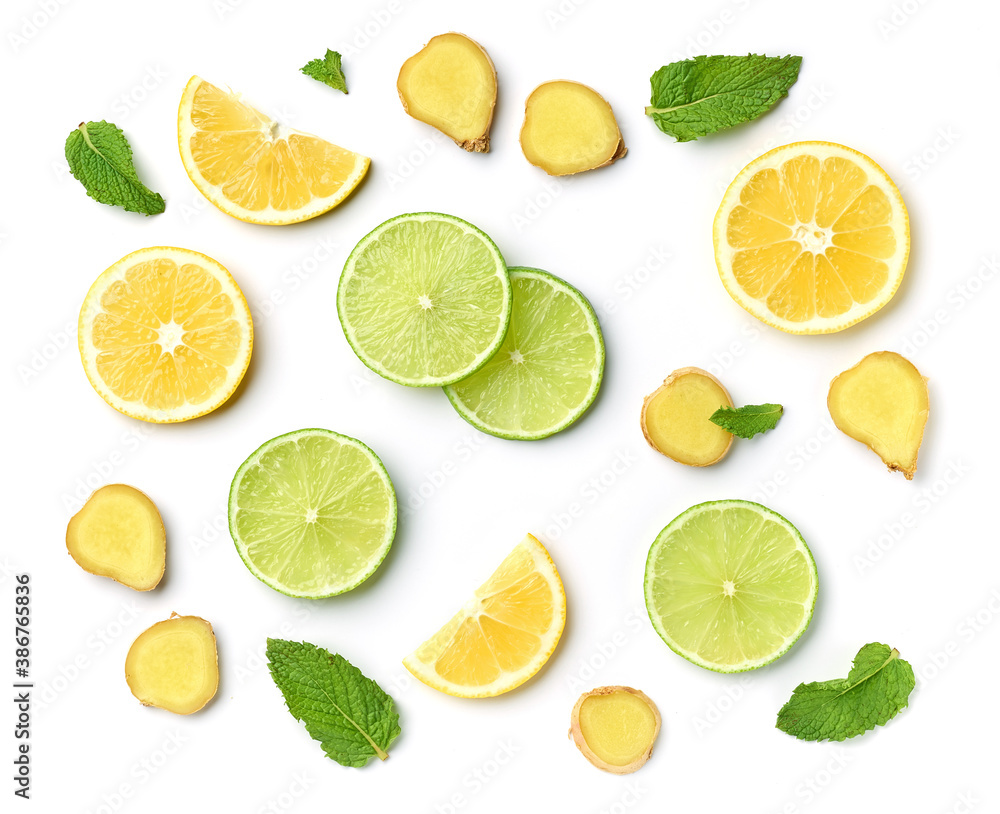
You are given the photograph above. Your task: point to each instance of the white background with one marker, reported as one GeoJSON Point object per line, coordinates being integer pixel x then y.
{"type": "Point", "coordinates": [913, 85]}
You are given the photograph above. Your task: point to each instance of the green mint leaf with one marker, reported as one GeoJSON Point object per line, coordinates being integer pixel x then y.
{"type": "Point", "coordinates": [350, 715]}
{"type": "Point", "coordinates": [100, 158]}
{"type": "Point", "coordinates": [874, 691]}
{"type": "Point", "coordinates": [699, 96]}
{"type": "Point", "coordinates": [327, 70]}
{"type": "Point", "coordinates": [747, 421]}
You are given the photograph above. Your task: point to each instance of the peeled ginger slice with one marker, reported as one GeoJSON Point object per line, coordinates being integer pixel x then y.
{"type": "Point", "coordinates": [882, 402]}
{"type": "Point", "coordinates": [615, 728]}
{"type": "Point", "coordinates": [451, 85]}
{"type": "Point", "coordinates": [676, 418]}
{"type": "Point", "coordinates": [569, 128]}
{"type": "Point", "coordinates": [174, 665]}
{"type": "Point", "coordinates": [119, 534]}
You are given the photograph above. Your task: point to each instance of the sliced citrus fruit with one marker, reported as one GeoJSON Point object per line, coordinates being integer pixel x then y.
{"type": "Point", "coordinates": [255, 168]}
{"type": "Point", "coordinates": [312, 513]}
{"type": "Point", "coordinates": [730, 585]}
{"type": "Point", "coordinates": [812, 237]}
{"type": "Point", "coordinates": [165, 334]}
{"type": "Point", "coordinates": [505, 632]}
{"type": "Point", "coordinates": [424, 299]}
{"type": "Point", "coordinates": [548, 369]}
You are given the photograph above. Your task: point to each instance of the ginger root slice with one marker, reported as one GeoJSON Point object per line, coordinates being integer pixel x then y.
{"type": "Point", "coordinates": [451, 85]}
{"type": "Point", "coordinates": [119, 534]}
{"type": "Point", "coordinates": [174, 665]}
{"type": "Point", "coordinates": [615, 728]}
{"type": "Point", "coordinates": [569, 128]}
{"type": "Point", "coordinates": [675, 418]}
{"type": "Point", "coordinates": [882, 402]}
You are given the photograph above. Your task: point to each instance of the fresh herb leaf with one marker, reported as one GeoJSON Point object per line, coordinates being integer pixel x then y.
{"type": "Point", "coordinates": [350, 715]}
{"type": "Point", "coordinates": [875, 690]}
{"type": "Point", "coordinates": [100, 158]}
{"type": "Point", "coordinates": [747, 421]}
{"type": "Point", "coordinates": [327, 70]}
{"type": "Point", "coordinates": [699, 96]}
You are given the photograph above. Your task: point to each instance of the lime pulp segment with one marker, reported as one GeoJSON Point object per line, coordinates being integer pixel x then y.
{"type": "Point", "coordinates": [548, 369]}
{"type": "Point", "coordinates": [312, 513]}
{"type": "Point", "coordinates": [730, 585]}
{"type": "Point", "coordinates": [424, 299]}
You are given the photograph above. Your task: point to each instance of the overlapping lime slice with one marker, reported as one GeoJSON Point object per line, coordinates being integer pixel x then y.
{"type": "Point", "coordinates": [548, 369]}
{"type": "Point", "coordinates": [730, 585]}
{"type": "Point", "coordinates": [425, 299]}
{"type": "Point", "coordinates": [312, 513]}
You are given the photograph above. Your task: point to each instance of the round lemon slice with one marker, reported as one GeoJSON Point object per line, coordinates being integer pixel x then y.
{"type": "Point", "coordinates": [812, 237]}
{"type": "Point", "coordinates": [165, 335]}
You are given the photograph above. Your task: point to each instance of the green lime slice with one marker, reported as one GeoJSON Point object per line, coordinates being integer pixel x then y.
{"type": "Point", "coordinates": [548, 369]}
{"type": "Point", "coordinates": [424, 299]}
{"type": "Point", "coordinates": [312, 513]}
{"type": "Point", "coordinates": [730, 585]}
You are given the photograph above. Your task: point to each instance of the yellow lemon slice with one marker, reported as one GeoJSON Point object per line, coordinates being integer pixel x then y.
{"type": "Point", "coordinates": [254, 168]}
{"type": "Point", "coordinates": [812, 237]}
{"type": "Point", "coordinates": [503, 635]}
{"type": "Point", "coordinates": [165, 335]}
